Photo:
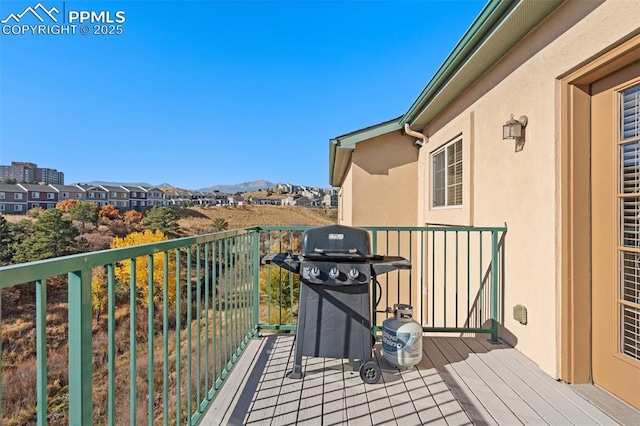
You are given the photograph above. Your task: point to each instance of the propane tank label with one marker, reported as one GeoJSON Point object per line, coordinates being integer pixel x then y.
{"type": "Point", "coordinates": [392, 341]}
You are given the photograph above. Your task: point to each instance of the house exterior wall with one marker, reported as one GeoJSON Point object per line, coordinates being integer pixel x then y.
{"type": "Point", "coordinates": [384, 182]}
{"type": "Point", "coordinates": [520, 183]}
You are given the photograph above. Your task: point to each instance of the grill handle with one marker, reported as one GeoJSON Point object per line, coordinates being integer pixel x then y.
{"type": "Point", "coordinates": [335, 251]}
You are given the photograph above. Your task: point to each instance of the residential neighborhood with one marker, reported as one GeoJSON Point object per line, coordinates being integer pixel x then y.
{"type": "Point", "coordinates": [18, 198]}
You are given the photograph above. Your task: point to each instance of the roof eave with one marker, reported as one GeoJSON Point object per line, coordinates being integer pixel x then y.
{"type": "Point", "coordinates": [341, 147]}
{"type": "Point", "coordinates": [470, 59]}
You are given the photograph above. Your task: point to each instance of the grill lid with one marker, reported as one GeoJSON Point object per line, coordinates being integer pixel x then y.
{"type": "Point", "coordinates": [337, 242]}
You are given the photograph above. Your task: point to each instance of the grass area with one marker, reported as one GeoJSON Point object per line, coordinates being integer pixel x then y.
{"type": "Point", "coordinates": [198, 220]}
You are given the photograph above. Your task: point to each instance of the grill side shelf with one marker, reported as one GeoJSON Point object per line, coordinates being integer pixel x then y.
{"type": "Point", "coordinates": [288, 261]}
{"type": "Point", "coordinates": [389, 263]}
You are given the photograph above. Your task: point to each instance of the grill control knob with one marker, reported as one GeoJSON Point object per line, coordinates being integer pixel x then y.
{"type": "Point", "coordinates": [333, 273]}
{"type": "Point", "coordinates": [315, 272]}
{"type": "Point", "coordinates": [353, 273]}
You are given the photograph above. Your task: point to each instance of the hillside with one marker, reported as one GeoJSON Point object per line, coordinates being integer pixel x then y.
{"type": "Point", "coordinates": [198, 220]}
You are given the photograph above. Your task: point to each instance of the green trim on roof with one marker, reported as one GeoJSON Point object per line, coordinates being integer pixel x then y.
{"type": "Point", "coordinates": [493, 12]}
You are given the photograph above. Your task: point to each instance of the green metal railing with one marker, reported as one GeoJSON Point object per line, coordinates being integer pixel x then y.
{"type": "Point", "coordinates": [455, 283]}
{"type": "Point", "coordinates": [179, 313]}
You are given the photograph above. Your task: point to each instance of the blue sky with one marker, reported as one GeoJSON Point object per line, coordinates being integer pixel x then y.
{"type": "Point", "coordinates": [197, 93]}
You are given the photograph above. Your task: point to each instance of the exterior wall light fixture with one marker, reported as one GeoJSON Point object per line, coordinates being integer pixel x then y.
{"type": "Point", "coordinates": [514, 129]}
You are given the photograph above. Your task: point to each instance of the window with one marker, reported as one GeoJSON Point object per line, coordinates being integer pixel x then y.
{"type": "Point", "coordinates": [103, 195]}
{"type": "Point", "coordinates": [51, 196]}
{"type": "Point", "coordinates": [17, 196]}
{"type": "Point", "coordinates": [629, 199]}
{"type": "Point", "coordinates": [35, 195]}
{"type": "Point", "coordinates": [79, 195]}
{"type": "Point", "coordinates": [1, 195]}
{"type": "Point", "coordinates": [142, 203]}
{"type": "Point", "coordinates": [134, 195]}
{"type": "Point", "coordinates": [134, 203]}
{"type": "Point", "coordinates": [114, 195]}
{"type": "Point", "coordinates": [51, 205]}
{"type": "Point", "coordinates": [65, 195]}
{"type": "Point", "coordinates": [17, 208]}
{"type": "Point", "coordinates": [447, 176]}
{"type": "Point", "coordinates": [92, 195]}
{"type": "Point", "coordinates": [1, 207]}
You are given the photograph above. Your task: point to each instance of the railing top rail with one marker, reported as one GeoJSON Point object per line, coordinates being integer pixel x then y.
{"type": "Point", "coordinates": [26, 272]}
{"type": "Point", "coordinates": [437, 228]}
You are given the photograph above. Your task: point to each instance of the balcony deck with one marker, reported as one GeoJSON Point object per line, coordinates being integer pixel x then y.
{"type": "Point", "coordinates": [460, 381]}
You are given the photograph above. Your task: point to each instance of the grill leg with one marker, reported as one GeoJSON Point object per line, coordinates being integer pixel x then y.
{"type": "Point", "coordinates": [296, 373]}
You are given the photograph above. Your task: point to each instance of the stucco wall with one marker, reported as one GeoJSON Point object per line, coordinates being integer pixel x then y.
{"type": "Point", "coordinates": [384, 181]}
{"type": "Point", "coordinates": [520, 185]}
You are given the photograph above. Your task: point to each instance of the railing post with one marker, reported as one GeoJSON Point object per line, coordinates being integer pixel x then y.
{"type": "Point", "coordinates": [41, 350]}
{"type": "Point", "coordinates": [80, 348]}
{"type": "Point", "coordinates": [494, 286]}
{"type": "Point", "coordinates": [256, 278]}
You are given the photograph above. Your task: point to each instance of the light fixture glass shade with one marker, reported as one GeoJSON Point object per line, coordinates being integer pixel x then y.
{"type": "Point", "coordinates": [512, 129]}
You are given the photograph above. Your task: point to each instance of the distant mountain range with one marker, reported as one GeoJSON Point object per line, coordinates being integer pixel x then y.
{"type": "Point", "coordinates": [239, 187]}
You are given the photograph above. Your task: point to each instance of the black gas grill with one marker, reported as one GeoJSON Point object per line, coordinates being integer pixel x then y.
{"type": "Point", "coordinates": [336, 268]}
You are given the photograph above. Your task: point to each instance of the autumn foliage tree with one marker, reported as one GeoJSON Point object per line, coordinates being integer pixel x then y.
{"type": "Point", "coordinates": [108, 211]}
{"type": "Point", "coordinates": [66, 205]}
{"type": "Point", "coordinates": [123, 269]}
{"type": "Point", "coordinates": [99, 290]}
{"type": "Point", "coordinates": [133, 220]}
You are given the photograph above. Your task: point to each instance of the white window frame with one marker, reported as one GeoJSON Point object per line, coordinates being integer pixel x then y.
{"type": "Point", "coordinates": [114, 195]}
{"type": "Point", "coordinates": [35, 195]}
{"type": "Point", "coordinates": [51, 196]}
{"type": "Point", "coordinates": [2, 195]}
{"type": "Point", "coordinates": [17, 196]}
{"type": "Point", "coordinates": [443, 151]}
{"type": "Point", "coordinates": [65, 195]}
{"type": "Point", "coordinates": [17, 207]}
{"type": "Point", "coordinates": [2, 207]}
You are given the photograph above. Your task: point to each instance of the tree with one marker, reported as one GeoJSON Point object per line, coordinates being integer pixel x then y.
{"type": "Point", "coordinates": [84, 212]}
{"type": "Point", "coordinates": [277, 283]}
{"type": "Point", "coordinates": [108, 211]}
{"type": "Point", "coordinates": [161, 219]}
{"type": "Point", "coordinates": [66, 205]}
{"type": "Point", "coordinates": [51, 235]}
{"type": "Point", "coordinates": [220, 224]}
{"type": "Point", "coordinates": [123, 269]}
{"type": "Point", "coordinates": [99, 290]}
{"type": "Point", "coordinates": [6, 242]}
{"type": "Point", "coordinates": [35, 212]}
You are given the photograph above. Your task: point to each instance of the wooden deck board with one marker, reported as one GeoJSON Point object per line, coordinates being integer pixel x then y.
{"type": "Point", "coordinates": [619, 410]}
{"type": "Point", "coordinates": [333, 401]}
{"type": "Point", "coordinates": [577, 410]}
{"type": "Point", "coordinates": [403, 409]}
{"type": "Point", "coordinates": [310, 410]}
{"type": "Point", "coordinates": [288, 405]}
{"type": "Point", "coordinates": [460, 381]}
{"type": "Point", "coordinates": [449, 407]}
{"type": "Point", "coordinates": [546, 412]}
{"type": "Point", "coordinates": [467, 399]}
{"type": "Point", "coordinates": [518, 406]}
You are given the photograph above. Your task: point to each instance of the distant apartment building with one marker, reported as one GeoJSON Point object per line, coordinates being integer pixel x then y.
{"type": "Point", "coordinates": [30, 173]}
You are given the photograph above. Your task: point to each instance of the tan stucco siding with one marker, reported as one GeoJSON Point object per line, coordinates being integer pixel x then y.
{"type": "Point", "coordinates": [520, 185]}
{"type": "Point", "coordinates": [384, 182]}
{"type": "Point", "coordinates": [345, 195]}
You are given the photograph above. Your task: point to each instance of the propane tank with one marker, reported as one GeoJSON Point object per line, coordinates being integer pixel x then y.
{"type": "Point", "coordinates": [402, 338]}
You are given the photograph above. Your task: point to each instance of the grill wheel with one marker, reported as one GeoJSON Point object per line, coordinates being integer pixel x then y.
{"type": "Point", "coordinates": [370, 372]}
